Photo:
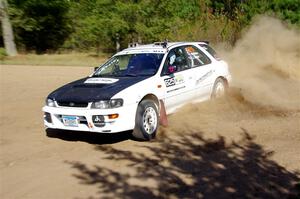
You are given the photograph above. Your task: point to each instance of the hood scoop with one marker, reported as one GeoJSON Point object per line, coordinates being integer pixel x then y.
{"type": "Point", "coordinates": [88, 86]}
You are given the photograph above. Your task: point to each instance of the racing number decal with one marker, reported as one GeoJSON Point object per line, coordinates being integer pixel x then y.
{"type": "Point", "coordinates": [170, 82]}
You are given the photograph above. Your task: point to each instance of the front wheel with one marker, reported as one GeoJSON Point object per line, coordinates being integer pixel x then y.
{"type": "Point", "coordinates": [146, 121]}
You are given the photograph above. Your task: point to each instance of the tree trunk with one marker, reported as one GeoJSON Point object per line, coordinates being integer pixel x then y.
{"type": "Point", "coordinates": [117, 42]}
{"type": "Point", "coordinates": [8, 35]}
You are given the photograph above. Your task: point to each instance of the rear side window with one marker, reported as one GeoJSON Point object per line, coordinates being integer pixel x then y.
{"type": "Point", "coordinates": [196, 56]}
{"type": "Point", "coordinates": [211, 51]}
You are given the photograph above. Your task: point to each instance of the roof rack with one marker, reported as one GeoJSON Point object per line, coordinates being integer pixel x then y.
{"type": "Point", "coordinates": [134, 44]}
{"type": "Point", "coordinates": [161, 43]}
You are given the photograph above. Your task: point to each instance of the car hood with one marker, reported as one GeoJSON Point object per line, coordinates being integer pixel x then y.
{"type": "Point", "coordinates": [91, 89]}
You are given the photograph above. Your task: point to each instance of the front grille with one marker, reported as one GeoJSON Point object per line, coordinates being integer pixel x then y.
{"type": "Point", "coordinates": [73, 104]}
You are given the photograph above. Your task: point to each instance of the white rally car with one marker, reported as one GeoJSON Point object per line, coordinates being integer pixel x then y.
{"type": "Point", "coordinates": [137, 87]}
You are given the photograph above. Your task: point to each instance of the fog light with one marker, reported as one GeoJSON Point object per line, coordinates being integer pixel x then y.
{"type": "Point", "coordinates": [47, 117]}
{"type": "Point", "coordinates": [98, 120]}
{"type": "Point", "coordinates": [113, 116]}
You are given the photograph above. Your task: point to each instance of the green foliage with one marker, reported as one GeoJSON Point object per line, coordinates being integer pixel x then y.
{"type": "Point", "coordinates": [103, 22]}
{"type": "Point", "coordinates": [228, 8]}
{"type": "Point", "coordinates": [44, 25]}
{"type": "Point", "coordinates": [2, 54]}
{"type": "Point", "coordinates": [287, 9]}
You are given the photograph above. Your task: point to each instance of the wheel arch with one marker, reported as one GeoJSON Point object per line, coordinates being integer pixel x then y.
{"type": "Point", "coordinates": [152, 97]}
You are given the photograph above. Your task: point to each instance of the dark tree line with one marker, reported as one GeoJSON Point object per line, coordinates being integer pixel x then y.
{"type": "Point", "coordinates": [40, 25]}
{"type": "Point", "coordinates": [48, 26]}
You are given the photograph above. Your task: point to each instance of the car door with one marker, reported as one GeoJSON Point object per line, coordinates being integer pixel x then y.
{"type": "Point", "coordinates": [177, 79]}
{"type": "Point", "coordinates": [203, 71]}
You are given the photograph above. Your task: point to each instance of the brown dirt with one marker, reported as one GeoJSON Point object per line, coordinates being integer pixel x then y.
{"type": "Point", "coordinates": [245, 145]}
{"type": "Point", "coordinates": [78, 165]}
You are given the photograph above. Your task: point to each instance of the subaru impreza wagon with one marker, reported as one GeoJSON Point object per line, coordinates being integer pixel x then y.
{"type": "Point", "coordinates": [137, 87]}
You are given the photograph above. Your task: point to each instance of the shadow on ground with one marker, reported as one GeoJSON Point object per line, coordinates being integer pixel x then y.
{"type": "Point", "coordinates": [191, 166]}
{"type": "Point", "coordinates": [92, 138]}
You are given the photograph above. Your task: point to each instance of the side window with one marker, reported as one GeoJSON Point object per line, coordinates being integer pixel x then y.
{"type": "Point", "coordinates": [176, 61]}
{"type": "Point", "coordinates": [211, 51]}
{"type": "Point", "coordinates": [196, 56]}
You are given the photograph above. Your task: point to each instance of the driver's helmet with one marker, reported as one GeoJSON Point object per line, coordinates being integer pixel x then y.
{"type": "Point", "coordinates": [172, 58]}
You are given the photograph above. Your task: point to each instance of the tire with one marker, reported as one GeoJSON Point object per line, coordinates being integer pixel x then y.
{"type": "Point", "coordinates": [219, 89]}
{"type": "Point", "coordinates": [146, 121]}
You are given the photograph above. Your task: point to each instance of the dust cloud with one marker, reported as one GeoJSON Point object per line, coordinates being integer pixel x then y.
{"type": "Point", "coordinates": [265, 64]}
{"type": "Point", "coordinates": [264, 98]}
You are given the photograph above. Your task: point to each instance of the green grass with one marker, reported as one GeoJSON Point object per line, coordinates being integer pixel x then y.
{"type": "Point", "coordinates": [70, 59]}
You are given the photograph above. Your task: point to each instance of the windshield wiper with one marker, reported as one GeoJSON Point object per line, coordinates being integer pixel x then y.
{"type": "Point", "coordinates": [144, 74]}
{"type": "Point", "coordinates": [99, 75]}
{"type": "Point", "coordinates": [127, 75]}
{"type": "Point", "coordinates": [117, 75]}
{"type": "Point", "coordinates": [131, 75]}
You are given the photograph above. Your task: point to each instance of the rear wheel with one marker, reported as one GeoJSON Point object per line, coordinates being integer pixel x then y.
{"type": "Point", "coordinates": [219, 88]}
{"type": "Point", "coordinates": [146, 121]}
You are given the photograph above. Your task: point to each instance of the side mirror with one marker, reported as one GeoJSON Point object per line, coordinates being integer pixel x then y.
{"type": "Point", "coordinates": [172, 69]}
{"type": "Point", "coordinates": [95, 68]}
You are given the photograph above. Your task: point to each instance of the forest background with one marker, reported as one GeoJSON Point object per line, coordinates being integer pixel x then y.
{"type": "Point", "coordinates": [105, 26]}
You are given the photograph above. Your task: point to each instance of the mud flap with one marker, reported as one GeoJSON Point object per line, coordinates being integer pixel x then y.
{"type": "Point", "coordinates": [163, 120]}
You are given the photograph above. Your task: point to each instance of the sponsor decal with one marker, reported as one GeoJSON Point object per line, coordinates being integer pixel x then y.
{"type": "Point", "coordinates": [176, 89]}
{"type": "Point", "coordinates": [174, 81]}
{"type": "Point", "coordinates": [100, 81]}
{"type": "Point", "coordinates": [179, 79]}
{"type": "Point", "coordinates": [205, 76]}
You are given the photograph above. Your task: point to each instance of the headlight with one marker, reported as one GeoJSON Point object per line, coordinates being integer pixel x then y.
{"type": "Point", "coordinates": [106, 104]}
{"type": "Point", "coordinates": [50, 102]}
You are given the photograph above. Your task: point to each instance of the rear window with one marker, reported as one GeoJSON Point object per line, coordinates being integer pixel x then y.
{"type": "Point", "coordinates": [211, 51]}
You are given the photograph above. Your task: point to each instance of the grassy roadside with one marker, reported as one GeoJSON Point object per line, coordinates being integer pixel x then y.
{"type": "Point", "coordinates": [70, 59]}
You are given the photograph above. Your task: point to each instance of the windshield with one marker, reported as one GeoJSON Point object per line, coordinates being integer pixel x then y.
{"type": "Point", "coordinates": [144, 64]}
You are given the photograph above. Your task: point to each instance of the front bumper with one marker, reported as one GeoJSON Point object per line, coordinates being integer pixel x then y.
{"type": "Point", "coordinates": [125, 120]}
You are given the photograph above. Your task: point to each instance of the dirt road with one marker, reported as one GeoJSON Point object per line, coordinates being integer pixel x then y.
{"type": "Point", "coordinates": [229, 150]}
